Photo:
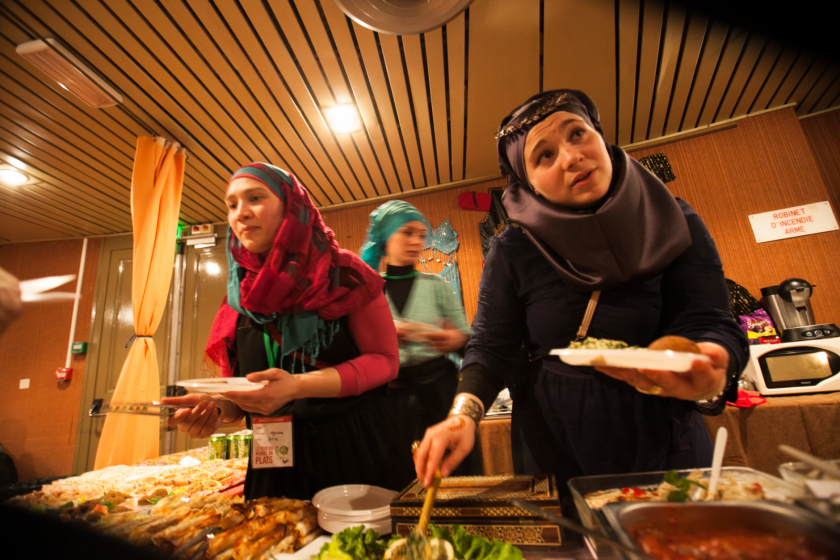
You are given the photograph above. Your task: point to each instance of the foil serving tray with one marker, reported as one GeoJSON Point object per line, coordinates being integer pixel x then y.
{"type": "Point", "coordinates": [690, 518]}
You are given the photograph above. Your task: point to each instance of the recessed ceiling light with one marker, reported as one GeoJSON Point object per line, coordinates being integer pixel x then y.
{"type": "Point", "coordinates": [13, 177]}
{"type": "Point", "coordinates": [343, 118]}
{"type": "Point", "coordinates": [71, 73]}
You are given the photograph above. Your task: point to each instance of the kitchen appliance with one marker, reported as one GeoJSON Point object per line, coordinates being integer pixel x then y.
{"type": "Point", "coordinates": [808, 358]}
{"type": "Point", "coordinates": [789, 368]}
{"type": "Point", "coordinates": [789, 306]}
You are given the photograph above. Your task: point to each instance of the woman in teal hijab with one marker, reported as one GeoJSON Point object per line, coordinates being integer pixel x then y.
{"type": "Point", "coordinates": [429, 316]}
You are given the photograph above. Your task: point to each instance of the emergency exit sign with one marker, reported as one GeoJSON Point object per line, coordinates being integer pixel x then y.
{"type": "Point", "coordinates": [793, 222]}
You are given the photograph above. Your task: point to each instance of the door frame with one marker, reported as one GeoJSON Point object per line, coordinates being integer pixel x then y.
{"type": "Point", "coordinates": [84, 425]}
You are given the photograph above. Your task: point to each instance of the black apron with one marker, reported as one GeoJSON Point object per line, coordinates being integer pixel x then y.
{"type": "Point", "coordinates": [424, 395]}
{"type": "Point", "coordinates": [336, 441]}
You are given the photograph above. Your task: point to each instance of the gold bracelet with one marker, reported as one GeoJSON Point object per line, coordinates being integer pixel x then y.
{"type": "Point", "coordinates": [468, 407]}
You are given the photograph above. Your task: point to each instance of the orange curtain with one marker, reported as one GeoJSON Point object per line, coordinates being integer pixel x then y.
{"type": "Point", "coordinates": [156, 186]}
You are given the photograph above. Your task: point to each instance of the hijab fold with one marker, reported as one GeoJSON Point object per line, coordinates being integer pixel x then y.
{"type": "Point", "coordinates": [303, 285]}
{"type": "Point", "coordinates": [636, 230]}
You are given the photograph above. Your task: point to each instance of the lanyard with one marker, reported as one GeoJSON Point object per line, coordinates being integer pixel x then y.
{"type": "Point", "coordinates": [270, 353]}
{"type": "Point", "coordinates": [411, 274]}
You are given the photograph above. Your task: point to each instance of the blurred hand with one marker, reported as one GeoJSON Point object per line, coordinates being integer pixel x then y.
{"type": "Point", "coordinates": [10, 304]}
{"type": "Point", "coordinates": [402, 331]}
{"type": "Point", "coordinates": [282, 388]}
{"type": "Point", "coordinates": [449, 339]}
{"type": "Point", "coordinates": [456, 434]}
{"type": "Point", "coordinates": [705, 380]}
{"type": "Point", "coordinates": [200, 421]}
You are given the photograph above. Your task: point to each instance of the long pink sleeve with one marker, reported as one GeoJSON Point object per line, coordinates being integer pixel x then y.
{"type": "Point", "coordinates": [373, 330]}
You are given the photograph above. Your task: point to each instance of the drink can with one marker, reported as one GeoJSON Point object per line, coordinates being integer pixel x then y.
{"type": "Point", "coordinates": [233, 446]}
{"type": "Point", "coordinates": [245, 444]}
{"type": "Point", "coordinates": [217, 447]}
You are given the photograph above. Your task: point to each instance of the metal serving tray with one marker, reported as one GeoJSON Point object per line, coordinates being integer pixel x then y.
{"type": "Point", "coordinates": [687, 518]}
{"type": "Point", "coordinates": [774, 488]}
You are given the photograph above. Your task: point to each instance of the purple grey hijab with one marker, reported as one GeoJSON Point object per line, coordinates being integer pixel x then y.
{"type": "Point", "coordinates": [635, 231]}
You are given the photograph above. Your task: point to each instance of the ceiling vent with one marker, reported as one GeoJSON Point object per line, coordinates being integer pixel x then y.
{"type": "Point", "coordinates": [402, 17]}
{"type": "Point", "coordinates": [71, 73]}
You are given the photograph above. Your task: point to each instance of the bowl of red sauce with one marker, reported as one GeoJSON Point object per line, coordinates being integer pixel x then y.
{"type": "Point", "coordinates": [724, 531]}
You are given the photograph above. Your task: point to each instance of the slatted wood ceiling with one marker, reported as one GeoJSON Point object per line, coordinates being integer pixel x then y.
{"type": "Point", "coordinates": [242, 80]}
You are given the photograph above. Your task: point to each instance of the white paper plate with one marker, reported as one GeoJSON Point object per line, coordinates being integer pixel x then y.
{"type": "Point", "coordinates": [219, 385]}
{"type": "Point", "coordinates": [337, 523]}
{"type": "Point", "coordinates": [308, 551]}
{"type": "Point", "coordinates": [356, 501]}
{"type": "Point", "coordinates": [665, 360]}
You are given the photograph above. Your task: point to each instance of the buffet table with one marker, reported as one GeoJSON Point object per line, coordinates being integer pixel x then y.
{"type": "Point", "coordinates": [807, 422]}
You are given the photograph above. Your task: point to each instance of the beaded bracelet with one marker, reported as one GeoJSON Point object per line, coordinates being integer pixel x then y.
{"type": "Point", "coordinates": [468, 407]}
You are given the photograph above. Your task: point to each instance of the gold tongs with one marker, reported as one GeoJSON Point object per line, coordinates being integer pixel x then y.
{"type": "Point", "coordinates": [152, 408]}
{"type": "Point", "coordinates": [429, 502]}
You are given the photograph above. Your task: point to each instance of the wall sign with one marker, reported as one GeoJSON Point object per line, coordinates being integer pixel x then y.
{"type": "Point", "coordinates": [793, 222]}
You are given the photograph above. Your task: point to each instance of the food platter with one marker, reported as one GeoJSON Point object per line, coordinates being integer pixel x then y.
{"type": "Point", "coordinates": [585, 487]}
{"type": "Point", "coordinates": [665, 360]}
{"type": "Point", "coordinates": [308, 551]}
{"type": "Point", "coordinates": [219, 385]}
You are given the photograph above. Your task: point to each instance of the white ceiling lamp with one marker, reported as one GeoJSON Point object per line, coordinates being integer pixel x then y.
{"type": "Point", "coordinates": [71, 73]}
{"type": "Point", "coordinates": [13, 177]}
{"type": "Point", "coordinates": [343, 118]}
{"type": "Point", "coordinates": [402, 17]}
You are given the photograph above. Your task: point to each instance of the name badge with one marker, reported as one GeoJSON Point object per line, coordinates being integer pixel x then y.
{"type": "Point", "coordinates": [271, 446]}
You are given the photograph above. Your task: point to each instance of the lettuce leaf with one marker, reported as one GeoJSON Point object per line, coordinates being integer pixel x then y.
{"type": "Point", "coordinates": [475, 547]}
{"type": "Point", "coordinates": [358, 544]}
{"type": "Point", "coordinates": [354, 544]}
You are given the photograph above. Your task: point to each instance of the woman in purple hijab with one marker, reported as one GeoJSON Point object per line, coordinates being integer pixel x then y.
{"type": "Point", "coordinates": [598, 247]}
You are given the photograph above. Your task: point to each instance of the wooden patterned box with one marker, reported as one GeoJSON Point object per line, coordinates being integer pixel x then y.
{"type": "Point", "coordinates": [482, 505]}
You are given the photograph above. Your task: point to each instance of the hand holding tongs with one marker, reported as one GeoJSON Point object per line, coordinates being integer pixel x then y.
{"type": "Point", "coordinates": [32, 290]}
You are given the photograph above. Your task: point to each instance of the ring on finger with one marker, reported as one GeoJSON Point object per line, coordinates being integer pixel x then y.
{"type": "Point", "coordinates": [654, 390]}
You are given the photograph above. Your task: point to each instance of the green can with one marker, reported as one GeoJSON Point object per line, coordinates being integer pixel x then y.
{"type": "Point", "coordinates": [217, 447]}
{"type": "Point", "coordinates": [233, 446]}
{"type": "Point", "coordinates": [244, 443]}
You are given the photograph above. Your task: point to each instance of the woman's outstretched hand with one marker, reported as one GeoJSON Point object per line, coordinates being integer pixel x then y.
{"type": "Point", "coordinates": [201, 420]}
{"type": "Point", "coordinates": [282, 388]}
{"type": "Point", "coordinates": [705, 379]}
{"type": "Point", "coordinates": [456, 434]}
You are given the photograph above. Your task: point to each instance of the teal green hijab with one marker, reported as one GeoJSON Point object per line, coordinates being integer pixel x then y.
{"type": "Point", "coordinates": [384, 222]}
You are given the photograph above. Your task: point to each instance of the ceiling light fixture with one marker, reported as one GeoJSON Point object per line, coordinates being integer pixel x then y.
{"type": "Point", "coordinates": [10, 176]}
{"type": "Point", "coordinates": [71, 73]}
{"type": "Point", "coordinates": [13, 177]}
{"type": "Point", "coordinates": [402, 17]}
{"type": "Point", "coordinates": [343, 118]}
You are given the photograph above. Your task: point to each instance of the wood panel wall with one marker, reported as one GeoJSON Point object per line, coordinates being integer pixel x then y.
{"type": "Point", "coordinates": [763, 164]}
{"type": "Point", "coordinates": [38, 425]}
{"type": "Point", "coordinates": [823, 135]}
{"type": "Point", "coordinates": [351, 224]}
